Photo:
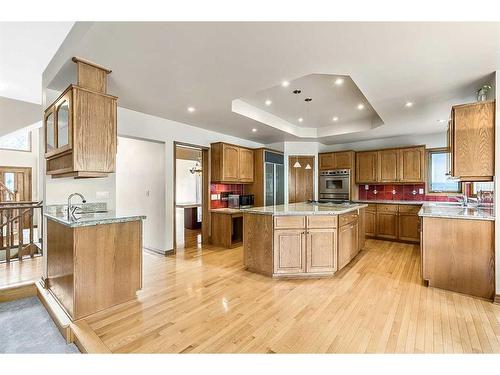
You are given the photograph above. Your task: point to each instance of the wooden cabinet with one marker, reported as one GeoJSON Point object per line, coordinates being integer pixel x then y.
{"type": "Point", "coordinates": [472, 141]}
{"type": "Point", "coordinates": [80, 130]}
{"type": "Point", "coordinates": [348, 243]}
{"type": "Point", "coordinates": [387, 221]}
{"type": "Point", "coordinates": [399, 165]}
{"type": "Point", "coordinates": [361, 228]}
{"type": "Point", "coordinates": [371, 220]}
{"type": "Point", "coordinates": [366, 167]}
{"type": "Point", "coordinates": [408, 223]}
{"type": "Point", "coordinates": [336, 160]}
{"type": "Point", "coordinates": [388, 163]}
{"type": "Point", "coordinates": [459, 255]}
{"type": "Point", "coordinates": [320, 253]}
{"type": "Point", "coordinates": [412, 164]}
{"type": "Point", "coordinates": [289, 251]}
{"type": "Point", "coordinates": [226, 229]}
{"type": "Point", "coordinates": [231, 164]}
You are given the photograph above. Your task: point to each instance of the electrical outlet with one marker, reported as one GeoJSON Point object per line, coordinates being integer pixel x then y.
{"type": "Point", "coordinates": [367, 187]}
{"type": "Point", "coordinates": [102, 195]}
{"type": "Point", "coordinates": [421, 191]}
{"type": "Point", "coordinates": [214, 197]}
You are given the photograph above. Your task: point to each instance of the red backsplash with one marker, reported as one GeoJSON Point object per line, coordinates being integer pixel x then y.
{"type": "Point", "coordinates": [403, 193]}
{"type": "Point", "coordinates": [218, 188]}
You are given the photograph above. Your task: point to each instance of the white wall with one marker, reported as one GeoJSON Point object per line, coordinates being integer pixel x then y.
{"type": "Point", "coordinates": [187, 184]}
{"type": "Point", "coordinates": [140, 186]}
{"type": "Point", "coordinates": [11, 158]}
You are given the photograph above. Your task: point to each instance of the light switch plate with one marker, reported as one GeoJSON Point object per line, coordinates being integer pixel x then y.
{"type": "Point", "coordinates": [102, 195]}
{"type": "Point", "coordinates": [421, 191]}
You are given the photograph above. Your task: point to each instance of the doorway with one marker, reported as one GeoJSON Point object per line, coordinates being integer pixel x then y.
{"type": "Point", "coordinates": [15, 184]}
{"type": "Point", "coordinates": [300, 178]}
{"type": "Point", "coordinates": [191, 196]}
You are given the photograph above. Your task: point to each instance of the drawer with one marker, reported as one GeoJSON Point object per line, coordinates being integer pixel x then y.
{"type": "Point", "coordinates": [289, 222]}
{"type": "Point", "coordinates": [409, 208]}
{"type": "Point", "coordinates": [322, 221]}
{"type": "Point", "coordinates": [387, 208]}
{"type": "Point", "coordinates": [347, 218]}
{"type": "Point", "coordinates": [371, 207]}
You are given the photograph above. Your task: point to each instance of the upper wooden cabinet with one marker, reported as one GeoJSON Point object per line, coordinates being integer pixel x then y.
{"type": "Point", "coordinates": [472, 141]}
{"type": "Point", "coordinates": [398, 165]}
{"type": "Point", "coordinates": [336, 160]}
{"type": "Point", "coordinates": [366, 167]}
{"type": "Point", "coordinates": [80, 130]}
{"type": "Point", "coordinates": [231, 164]}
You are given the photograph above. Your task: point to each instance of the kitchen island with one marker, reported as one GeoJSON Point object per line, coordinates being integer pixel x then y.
{"type": "Point", "coordinates": [302, 239]}
{"type": "Point", "coordinates": [458, 248]}
{"type": "Point", "coordinates": [94, 260]}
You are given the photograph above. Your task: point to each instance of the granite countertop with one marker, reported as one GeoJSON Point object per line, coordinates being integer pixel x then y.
{"type": "Point", "coordinates": [306, 209]}
{"type": "Point", "coordinates": [388, 201]}
{"type": "Point", "coordinates": [455, 211]}
{"type": "Point", "coordinates": [89, 219]}
{"type": "Point", "coordinates": [228, 211]}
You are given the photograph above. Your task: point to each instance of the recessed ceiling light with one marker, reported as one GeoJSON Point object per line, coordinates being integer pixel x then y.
{"type": "Point", "coordinates": [335, 118]}
{"type": "Point", "coordinates": [361, 106]}
{"type": "Point", "coordinates": [254, 130]}
{"type": "Point", "coordinates": [300, 119]}
{"type": "Point", "coordinates": [268, 102]}
{"type": "Point", "coordinates": [296, 91]}
{"type": "Point", "coordinates": [409, 104]}
{"type": "Point", "coordinates": [191, 109]}
{"type": "Point", "coordinates": [308, 100]}
{"type": "Point", "coordinates": [339, 81]}
{"type": "Point", "coordinates": [285, 83]}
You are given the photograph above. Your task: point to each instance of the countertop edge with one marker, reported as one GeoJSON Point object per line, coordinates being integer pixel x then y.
{"type": "Point", "coordinates": [97, 221]}
{"type": "Point", "coordinates": [307, 213]}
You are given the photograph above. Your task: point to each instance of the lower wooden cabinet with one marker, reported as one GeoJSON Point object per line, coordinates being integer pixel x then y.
{"type": "Point", "coordinates": [348, 244]}
{"type": "Point", "coordinates": [289, 251]}
{"type": "Point", "coordinates": [321, 249]}
{"type": "Point", "coordinates": [393, 222]}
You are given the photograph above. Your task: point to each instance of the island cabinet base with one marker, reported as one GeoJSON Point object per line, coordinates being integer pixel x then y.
{"type": "Point", "coordinates": [297, 246]}
{"type": "Point", "coordinates": [459, 255]}
{"type": "Point", "coordinates": [91, 268]}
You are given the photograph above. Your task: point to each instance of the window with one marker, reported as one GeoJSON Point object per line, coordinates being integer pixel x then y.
{"type": "Point", "coordinates": [482, 186]}
{"type": "Point", "coordinates": [438, 178]}
{"type": "Point", "coordinates": [17, 141]}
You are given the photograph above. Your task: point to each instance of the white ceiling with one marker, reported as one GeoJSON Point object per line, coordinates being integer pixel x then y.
{"type": "Point", "coordinates": [26, 49]}
{"type": "Point", "coordinates": [162, 68]}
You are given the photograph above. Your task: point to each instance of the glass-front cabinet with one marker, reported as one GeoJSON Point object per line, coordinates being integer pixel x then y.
{"type": "Point", "coordinates": [58, 126]}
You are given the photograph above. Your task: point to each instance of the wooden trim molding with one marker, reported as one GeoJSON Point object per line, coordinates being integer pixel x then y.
{"type": "Point", "coordinates": [497, 299]}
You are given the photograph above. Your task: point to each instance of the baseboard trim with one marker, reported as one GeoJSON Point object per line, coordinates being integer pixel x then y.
{"type": "Point", "coordinates": [497, 299]}
{"type": "Point", "coordinates": [56, 312]}
{"type": "Point", "coordinates": [86, 339]}
{"type": "Point", "coordinates": [17, 291]}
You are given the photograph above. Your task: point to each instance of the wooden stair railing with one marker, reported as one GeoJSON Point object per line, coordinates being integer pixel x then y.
{"type": "Point", "coordinates": [15, 218]}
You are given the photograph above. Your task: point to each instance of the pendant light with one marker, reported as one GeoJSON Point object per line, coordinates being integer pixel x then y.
{"type": "Point", "coordinates": [308, 166]}
{"type": "Point", "coordinates": [297, 164]}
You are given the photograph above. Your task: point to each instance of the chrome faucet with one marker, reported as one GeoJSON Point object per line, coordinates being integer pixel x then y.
{"type": "Point", "coordinates": [71, 209]}
{"type": "Point", "coordinates": [463, 199]}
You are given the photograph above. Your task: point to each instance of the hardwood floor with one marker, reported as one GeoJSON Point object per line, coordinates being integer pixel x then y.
{"type": "Point", "coordinates": [15, 272]}
{"type": "Point", "coordinates": [202, 300]}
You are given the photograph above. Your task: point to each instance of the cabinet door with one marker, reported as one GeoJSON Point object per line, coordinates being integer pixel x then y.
{"type": "Point", "coordinates": [388, 166]}
{"type": "Point", "coordinates": [343, 160]}
{"type": "Point", "coordinates": [289, 251]}
{"type": "Point", "coordinates": [355, 239]}
{"type": "Point", "coordinates": [230, 163]}
{"type": "Point", "coordinates": [246, 165]}
{"type": "Point", "coordinates": [50, 131]}
{"type": "Point", "coordinates": [345, 245]}
{"type": "Point", "coordinates": [366, 167]}
{"type": "Point", "coordinates": [320, 252]}
{"type": "Point", "coordinates": [63, 121]}
{"type": "Point", "coordinates": [387, 225]}
{"type": "Point", "coordinates": [327, 161]}
{"type": "Point", "coordinates": [474, 141]}
{"type": "Point", "coordinates": [408, 227]}
{"type": "Point", "coordinates": [412, 164]}
{"type": "Point", "coordinates": [361, 228]}
{"type": "Point", "coordinates": [370, 223]}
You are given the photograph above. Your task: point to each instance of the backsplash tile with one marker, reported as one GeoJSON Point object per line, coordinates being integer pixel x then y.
{"type": "Point", "coordinates": [401, 193]}
{"type": "Point", "coordinates": [219, 188]}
